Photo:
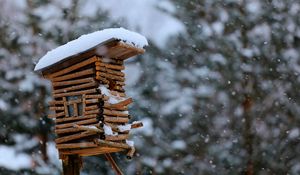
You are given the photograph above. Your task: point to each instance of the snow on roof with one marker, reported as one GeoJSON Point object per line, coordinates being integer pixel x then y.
{"type": "Point", "coordinates": [88, 41]}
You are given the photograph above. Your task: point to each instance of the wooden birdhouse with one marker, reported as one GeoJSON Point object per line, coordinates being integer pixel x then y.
{"type": "Point", "coordinates": [90, 106]}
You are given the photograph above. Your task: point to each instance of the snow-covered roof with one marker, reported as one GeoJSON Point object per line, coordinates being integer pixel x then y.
{"type": "Point", "coordinates": [88, 41]}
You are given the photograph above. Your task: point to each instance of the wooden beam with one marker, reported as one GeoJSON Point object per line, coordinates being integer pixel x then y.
{"type": "Point", "coordinates": [66, 107]}
{"type": "Point", "coordinates": [60, 102]}
{"type": "Point", "coordinates": [74, 67]}
{"type": "Point", "coordinates": [88, 108]}
{"type": "Point", "coordinates": [71, 130]}
{"type": "Point", "coordinates": [103, 69]}
{"type": "Point", "coordinates": [77, 87]}
{"type": "Point", "coordinates": [83, 103]}
{"type": "Point", "coordinates": [117, 137]}
{"type": "Point", "coordinates": [111, 144]}
{"type": "Point", "coordinates": [82, 122]}
{"type": "Point", "coordinates": [110, 66]}
{"type": "Point", "coordinates": [55, 102]}
{"type": "Point", "coordinates": [102, 79]}
{"type": "Point", "coordinates": [74, 75]}
{"type": "Point", "coordinates": [72, 165]}
{"type": "Point", "coordinates": [119, 88]}
{"type": "Point", "coordinates": [72, 82]}
{"type": "Point", "coordinates": [115, 127]}
{"type": "Point", "coordinates": [113, 164]}
{"type": "Point", "coordinates": [128, 46]}
{"type": "Point", "coordinates": [130, 152]}
{"type": "Point", "coordinates": [89, 91]}
{"type": "Point", "coordinates": [60, 114]}
{"type": "Point", "coordinates": [120, 83]}
{"type": "Point", "coordinates": [115, 93]}
{"type": "Point", "coordinates": [76, 145]}
{"type": "Point", "coordinates": [73, 137]}
{"type": "Point", "coordinates": [53, 108]}
{"type": "Point", "coordinates": [137, 124]}
{"type": "Point", "coordinates": [122, 103]}
{"type": "Point", "coordinates": [94, 96]}
{"type": "Point", "coordinates": [69, 119]}
{"type": "Point", "coordinates": [109, 76]}
{"type": "Point", "coordinates": [115, 113]}
{"type": "Point", "coordinates": [75, 106]}
{"type": "Point", "coordinates": [110, 107]}
{"type": "Point", "coordinates": [92, 101]}
{"type": "Point", "coordinates": [115, 119]}
{"type": "Point", "coordinates": [96, 111]}
{"type": "Point", "coordinates": [91, 151]}
{"type": "Point", "coordinates": [89, 128]}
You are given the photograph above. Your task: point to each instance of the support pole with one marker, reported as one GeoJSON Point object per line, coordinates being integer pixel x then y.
{"type": "Point", "coordinates": [113, 164]}
{"type": "Point", "coordinates": [71, 165]}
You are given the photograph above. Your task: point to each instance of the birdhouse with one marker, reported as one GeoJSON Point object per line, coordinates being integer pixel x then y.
{"type": "Point", "coordinates": [90, 106]}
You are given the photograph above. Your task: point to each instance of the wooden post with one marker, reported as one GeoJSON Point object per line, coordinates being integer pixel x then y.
{"type": "Point", "coordinates": [72, 165]}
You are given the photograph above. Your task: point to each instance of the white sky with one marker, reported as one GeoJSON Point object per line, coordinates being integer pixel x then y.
{"type": "Point", "coordinates": [143, 16]}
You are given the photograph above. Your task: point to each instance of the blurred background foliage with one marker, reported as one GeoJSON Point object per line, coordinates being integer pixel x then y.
{"type": "Point", "coordinates": [217, 88]}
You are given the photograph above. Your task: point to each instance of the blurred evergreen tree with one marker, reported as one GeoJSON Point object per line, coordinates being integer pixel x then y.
{"type": "Point", "coordinates": [226, 88]}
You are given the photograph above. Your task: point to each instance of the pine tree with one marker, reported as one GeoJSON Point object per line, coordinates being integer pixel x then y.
{"type": "Point", "coordinates": [226, 87]}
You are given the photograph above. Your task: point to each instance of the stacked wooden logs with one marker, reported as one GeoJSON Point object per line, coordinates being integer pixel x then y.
{"type": "Point", "coordinates": [90, 107]}
{"type": "Point", "coordinates": [115, 104]}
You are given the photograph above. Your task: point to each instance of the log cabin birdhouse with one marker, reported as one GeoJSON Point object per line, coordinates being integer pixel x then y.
{"type": "Point", "coordinates": [90, 106]}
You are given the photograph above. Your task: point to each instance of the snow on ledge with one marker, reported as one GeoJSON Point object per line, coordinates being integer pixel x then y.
{"type": "Point", "coordinates": [88, 41]}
